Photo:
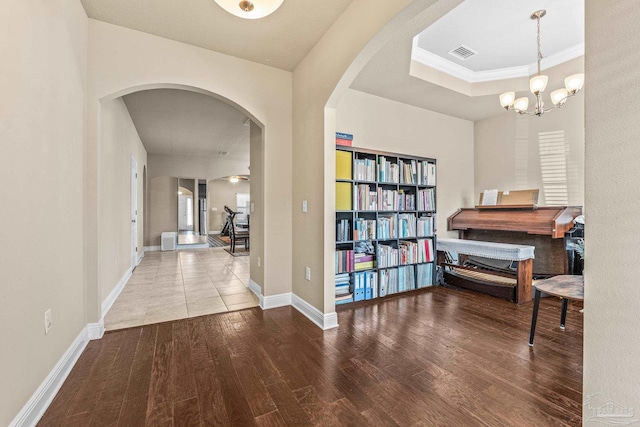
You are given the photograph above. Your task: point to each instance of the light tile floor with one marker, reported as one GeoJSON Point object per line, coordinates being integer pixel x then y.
{"type": "Point", "coordinates": [179, 284]}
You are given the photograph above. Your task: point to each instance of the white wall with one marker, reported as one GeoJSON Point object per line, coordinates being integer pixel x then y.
{"type": "Point", "coordinates": [120, 142]}
{"type": "Point", "coordinates": [612, 291]}
{"type": "Point", "coordinates": [123, 60]}
{"type": "Point", "coordinates": [43, 46]}
{"type": "Point", "coordinates": [508, 145]}
{"type": "Point", "coordinates": [381, 124]}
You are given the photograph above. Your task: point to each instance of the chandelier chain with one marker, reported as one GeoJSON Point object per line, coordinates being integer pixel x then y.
{"type": "Point", "coordinates": [539, 50]}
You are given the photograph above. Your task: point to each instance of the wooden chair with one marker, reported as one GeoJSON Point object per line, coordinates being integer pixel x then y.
{"type": "Point", "coordinates": [238, 236]}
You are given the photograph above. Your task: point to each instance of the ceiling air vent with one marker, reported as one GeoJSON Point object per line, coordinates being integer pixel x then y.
{"type": "Point", "coordinates": [462, 52]}
{"type": "Point", "coordinates": [222, 153]}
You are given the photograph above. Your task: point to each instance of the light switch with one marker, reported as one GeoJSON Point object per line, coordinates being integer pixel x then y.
{"type": "Point", "coordinates": [253, 207]}
{"type": "Point", "coordinates": [304, 206]}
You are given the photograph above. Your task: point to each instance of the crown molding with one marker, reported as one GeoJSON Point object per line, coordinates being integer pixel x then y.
{"type": "Point", "coordinates": [458, 71]}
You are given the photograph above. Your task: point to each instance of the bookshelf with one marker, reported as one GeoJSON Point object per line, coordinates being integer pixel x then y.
{"type": "Point", "coordinates": [385, 223]}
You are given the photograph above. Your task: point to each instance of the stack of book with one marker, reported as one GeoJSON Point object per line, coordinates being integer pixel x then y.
{"type": "Point", "coordinates": [344, 139]}
{"type": "Point", "coordinates": [425, 250]}
{"type": "Point", "coordinates": [425, 226]}
{"type": "Point", "coordinates": [387, 256]}
{"type": "Point", "coordinates": [426, 173]}
{"type": "Point", "coordinates": [388, 282]}
{"type": "Point", "coordinates": [406, 225]}
{"type": "Point", "coordinates": [406, 279]}
{"type": "Point", "coordinates": [387, 226]}
{"type": "Point", "coordinates": [387, 171]}
{"type": "Point", "coordinates": [344, 292]}
{"type": "Point", "coordinates": [387, 200]}
{"type": "Point", "coordinates": [408, 172]}
{"type": "Point", "coordinates": [365, 170]}
{"type": "Point", "coordinates": [408, 252]}
{"type": "Point", "coordinates": [426, 200]}
{"type": "Point", "coordinates": [343, 230]}
{"type": "Point", "coordinates": [344, 261]}
{"type": "Point", "coordinates": [365, 229]}
{"type": "Point", "coordinates": [362, 262]}
{"type": "Point", "coordinates": [365, 285]}
{"type": "Point", "coordinates": [425, 275]}
{"type": "Point", "coordinates": [406, 202]}
{"type": "Point", "coordinates": [364, 199]}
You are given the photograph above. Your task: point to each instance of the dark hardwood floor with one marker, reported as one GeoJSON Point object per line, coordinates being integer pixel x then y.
{"type": "Point", "coordinates": [436, 358]}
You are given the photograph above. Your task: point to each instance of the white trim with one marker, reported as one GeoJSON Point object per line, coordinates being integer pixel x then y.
{"type": "Point", "coordinates": [151, 248]}
{"type": "Point", "coordinates": [95, 331]}
{"type": "Point", "coordinates": [140, 257]}
{"type": "Point", "coordinates": [35, 407]}
{"type": "Point", "coordinates": [275, 301]}
{"type": "Point", "coordinates": [213, 232]}
{"type": "Point", "coordinates": [324, 321]}
{"type": "Point", "coordinates": [461, 72]}
{"type": "Point", "coordinates": [113, 295]}
{"type": "Point", "coordinates": [257, 290]}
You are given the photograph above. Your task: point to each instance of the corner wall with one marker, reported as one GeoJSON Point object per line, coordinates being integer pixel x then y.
{"type": "Point", "coordinates": [43, 80]}
{"type": "Point", "coordinates": [120, 142]}
{"type": "Point", "coordinates": [381, 124]}
{"type": "Point", "coordinates": [612, 155]}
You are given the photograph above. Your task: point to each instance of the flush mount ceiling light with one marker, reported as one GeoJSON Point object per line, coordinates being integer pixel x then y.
{"type": "Point", "coordinates": [538, 84]}
{"type": "Point", "coordinates": [255, 9]}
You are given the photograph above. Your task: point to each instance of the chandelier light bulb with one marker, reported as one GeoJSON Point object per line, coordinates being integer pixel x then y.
{"type": "Point", "coordinates": [506, 99]}
{"type": "Point", "coordinates": [538, 84]}
{"type": "Point", "coordinates": [254, 9]}
{"type": "Point", "coordinates": [521, 104]}
{"type": "Point", "coordinates": [574, 83]}
{"type": "Point", "coordinates": [234, 180]}
{"type": "Point", "coordinates": [559, 96]}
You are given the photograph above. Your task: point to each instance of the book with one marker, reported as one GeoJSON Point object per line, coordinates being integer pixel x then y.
{"type": "Point", "coordinates": [344, 142]}
{"type": "Point", "coordinates": [344, 165]}
{"type": "Point", "coordinates": [343, 196]}
{"type": "Point", "coordinates": [340, 135]}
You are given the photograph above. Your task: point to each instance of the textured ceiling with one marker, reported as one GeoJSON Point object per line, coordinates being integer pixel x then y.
{"type": "Point", "coordinates": [280, 40]}
{"type": "Point", "coordinates": [171, 121]}
{"type": "Point", "coordinates": [502, 32]}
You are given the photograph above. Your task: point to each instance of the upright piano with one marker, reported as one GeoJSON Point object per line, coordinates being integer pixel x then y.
{"type": "Point", "coordinates": [544, 228]}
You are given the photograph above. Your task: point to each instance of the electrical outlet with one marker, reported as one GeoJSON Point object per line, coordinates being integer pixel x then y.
{"type": "Point", "coordinates": [307, 273]}
{"type": "Point", "coordinates": [47, 321]}
{"type": "Point", "coordinates": [304, 206]}
{"type": "Point", "coordinates": [258, 261]}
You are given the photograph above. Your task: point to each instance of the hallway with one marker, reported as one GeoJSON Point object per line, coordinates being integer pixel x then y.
{"type": "Point", "coordinates": [180, 284]}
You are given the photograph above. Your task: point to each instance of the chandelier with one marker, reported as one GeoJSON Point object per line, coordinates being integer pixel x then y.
{"type": "Point", "coordinates": [538, 84]}
{"type": "Point", "coordinates": [250, 9]}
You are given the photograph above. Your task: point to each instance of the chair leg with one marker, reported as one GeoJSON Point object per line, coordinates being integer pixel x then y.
{"type": "Point", "coordinates": [534, 317]}
{"type": "Point", "coordinates": [563, 317]}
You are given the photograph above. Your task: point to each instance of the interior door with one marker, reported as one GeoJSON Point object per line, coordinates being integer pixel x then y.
{"type": "Point", "coordinates": [134, 213]}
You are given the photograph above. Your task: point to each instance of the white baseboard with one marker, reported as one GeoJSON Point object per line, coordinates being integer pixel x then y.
{"type": "Point", "coordinates": [95, 331]}
{"type": "Point", "coordinates": [275, 301]}
{"type": "Point", "coordinates": [115, 292]}
{"type": "Point", "coordinates": [36, 406]}
{"type": "Point", "coordinates": [193, 246]}
{"type": "Point", "coordinates": [322, 320]}
{"type": "Point", "coordinates": [257, 290]}
{"type": "Point", "coordinates": [214, 232]}
{"type": "Point", "coordinates": [140, 258]}
{"type": "Point", "coordinates": [151, 248]}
